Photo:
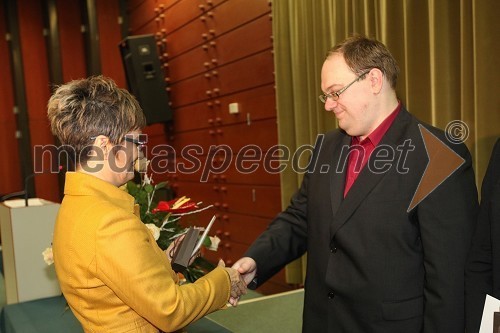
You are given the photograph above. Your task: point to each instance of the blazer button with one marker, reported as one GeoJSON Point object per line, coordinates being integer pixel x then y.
{"type": "Point", "coordinates": [333, 250]}
{"type": "Point", "coordinates": [331, 295]}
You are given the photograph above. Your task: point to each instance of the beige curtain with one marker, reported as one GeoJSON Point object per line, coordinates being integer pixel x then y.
{"type": "Point", "coordinates": [448, 52]}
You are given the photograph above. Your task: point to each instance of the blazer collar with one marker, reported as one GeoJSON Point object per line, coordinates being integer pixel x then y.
{"type": "Point", "coordinates": [343, 208]}
{"type": "Point", "coordinates": [82, 184]}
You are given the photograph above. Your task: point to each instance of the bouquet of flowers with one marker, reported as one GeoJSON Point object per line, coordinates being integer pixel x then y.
{"type": "Point", "coordinates": [163, 218]}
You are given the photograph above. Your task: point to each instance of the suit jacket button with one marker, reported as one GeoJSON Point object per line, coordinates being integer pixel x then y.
{"type": "Point", "coordinates": [331, 295]}
{"type": "Point", "coordinates": [333, 250]}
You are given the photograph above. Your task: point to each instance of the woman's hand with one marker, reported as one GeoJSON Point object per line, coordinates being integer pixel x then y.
{"type": "Point", "coordinates": [238, 286]}
{"type": "Point", "coordinates": [170, 251]}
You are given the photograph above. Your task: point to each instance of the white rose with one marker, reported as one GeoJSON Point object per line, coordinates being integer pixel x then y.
{"type": "Point", "coordinates": [215, 243]}
{"type": "Point", "coordinates": [141, 165]}
{"type": "Point", "coordinates": [147, 180]}
{"type": "Point", "coordinates": [155, 231]}
{"type": "Point", "coordinates": [48, 256]}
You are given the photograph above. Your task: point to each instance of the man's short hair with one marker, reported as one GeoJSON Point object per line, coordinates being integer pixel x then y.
{"type": "Point", "coordinates": [362, 53]}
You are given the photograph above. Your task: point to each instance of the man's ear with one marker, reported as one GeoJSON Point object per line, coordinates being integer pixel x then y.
{"type": "Point", "coordinates": [376, 78]}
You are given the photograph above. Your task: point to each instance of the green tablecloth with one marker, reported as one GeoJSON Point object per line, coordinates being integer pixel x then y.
{"type": "Point", "coordinates": [275, 313]}
{"type": "Point", "coordinates": [269, 314]}
{"type": "Point", "coordinates": [49, 315]}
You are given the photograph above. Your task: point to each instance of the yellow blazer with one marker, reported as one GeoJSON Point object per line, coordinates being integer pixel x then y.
{"type": "Point", "coordinates": [113, 275]}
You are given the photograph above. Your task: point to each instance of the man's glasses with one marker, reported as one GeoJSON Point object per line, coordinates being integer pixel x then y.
{"type": "Point", "coordinates": [335, 95]}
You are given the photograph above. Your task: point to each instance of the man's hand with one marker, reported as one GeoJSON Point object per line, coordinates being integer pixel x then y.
{"type": "Point", "coordinates": [247, 267]}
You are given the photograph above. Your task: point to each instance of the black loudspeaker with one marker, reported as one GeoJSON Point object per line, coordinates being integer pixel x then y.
{"type": "Point", "coordinates": [146, 80]}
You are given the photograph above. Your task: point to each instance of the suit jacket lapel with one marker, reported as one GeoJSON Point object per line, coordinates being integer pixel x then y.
{"type": "Point", "coordinates": [367, 179]}
{"type": "Point", "coordinates": [339, 168]}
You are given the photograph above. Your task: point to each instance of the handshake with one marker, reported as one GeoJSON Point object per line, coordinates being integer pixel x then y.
{"type": "Point", "coordinates": [240, 274]}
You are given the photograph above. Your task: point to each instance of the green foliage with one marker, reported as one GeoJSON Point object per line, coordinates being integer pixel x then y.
{"type": "Point", "coordinates": [146, 196]}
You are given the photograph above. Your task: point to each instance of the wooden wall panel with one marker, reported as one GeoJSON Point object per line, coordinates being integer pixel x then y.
{"type": "Point", "coordinates": [224, 17]}
{"type": "Point", "coordinates": [10, 172]}
{"type": "Point", "coordinates": [263, 134]}
{"type": "Point", "coordinates": [145, 12]}
{"type": "Point", "coordinates": [140, 13]}
{"type": "Point", "coordinates": [234, 13]}
{"type": "Point", "coordinates": [242, 172]}
{"type": "Point", "coordinates": [248, 39]}
{"type": "Point", "coordinates": [36, 71]}
{"type": "Point", "coordinates": [234, 172]}
{"type": "Point", "coordinates": [71, 41]}
{"type": "Point", "coordinates": [196, 116]}
{"type": "Point", "coordinates": [188, 37]}
{"type": "Point", "coordinates": [191, 64]}
{"type": "Point", "coordinates": [9, 163]}
{"type": "Point", "coordinates": [202, 138]}
{"type": "Point", "coordinates": [251, 72]}
{"type": "Point", "coordinates": [109, 39]}
{"type": "Point", "coordinates": [185, 11]}
{"type": "Point", "coordinates": [243, 41]}
{"type": "Point", "coordinates": [240, 228]}
{"type": "Point", "coordinates": [252, 200]}
{"type": "Point", "coordinates": [192, 171]}
{"type": "Point", "coordinates": [149, 28]}
{"type": "Point", "coordinates": [173, 14]}
{"type": "Point", "coordinates": [6, 89]}
{"type": "Point", "coordinates": [190, 91]}
{"type": "Point", "coordinates": [254, 104]}
{"type": "Point", "coordinates": [37, 85]}
{"type": "Point", "coordinates": [46, 183]}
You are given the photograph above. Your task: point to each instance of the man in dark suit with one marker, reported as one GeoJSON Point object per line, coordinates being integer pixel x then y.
{"type": "Point", "coordinates": [482, 275]}
{"type": "Point", "coordinates": [375, 264]}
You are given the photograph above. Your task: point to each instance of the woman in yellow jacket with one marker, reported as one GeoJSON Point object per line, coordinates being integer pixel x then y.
{"type": "Point", "coordinates": [113, 275]}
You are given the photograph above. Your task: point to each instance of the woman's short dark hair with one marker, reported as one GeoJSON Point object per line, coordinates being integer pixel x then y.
{"type": "Point", "coordinates": [84, 109]}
